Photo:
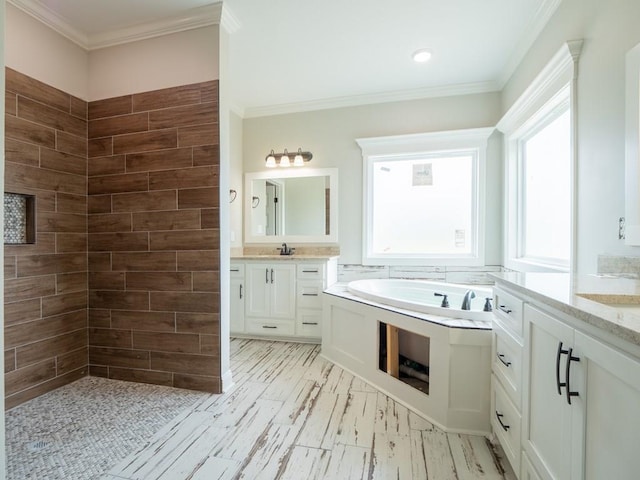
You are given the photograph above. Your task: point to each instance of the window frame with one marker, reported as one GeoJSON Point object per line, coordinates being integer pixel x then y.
{"type": "Point", "coordinates": [426, 145]}
{"type": "Point", "coordinates": [553, 90]}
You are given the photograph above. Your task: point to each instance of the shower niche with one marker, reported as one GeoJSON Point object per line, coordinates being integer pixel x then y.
{"type": "Point", "coordinates": [405, 355]}
{"type": "Point", "coordinates": [19, 219]}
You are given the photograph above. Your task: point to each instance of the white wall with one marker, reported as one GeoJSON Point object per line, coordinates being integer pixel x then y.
{"type": "Point", "coordinates": [330, 135]}
{"type": "Point", "coordinates": [609, 29]}
{"type": "Point", "coordinates": [161, 62]}
{"type": "Point", "coordinates": [39, 52]}
{"type": "Point", "coordinates": [236, 182]}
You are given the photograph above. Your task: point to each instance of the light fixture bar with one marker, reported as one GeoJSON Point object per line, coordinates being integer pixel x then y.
{"type": "Point", "coordinates": [296, 159]}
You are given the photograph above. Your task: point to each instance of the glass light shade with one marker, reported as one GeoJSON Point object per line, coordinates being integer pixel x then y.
{"type": "Point", "coordinates": [284, 161]}
{"type": "Point", "coordinates": [298, 161]}
{"type": "Point", "coordinates": [271, 161]}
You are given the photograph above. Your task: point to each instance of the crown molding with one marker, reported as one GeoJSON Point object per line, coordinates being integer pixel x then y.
{"type": "Point", "coordinates": [188, 20]}
{"type": "Point", "coordinates": [368, 99]}
{"type": "Point", "coordinates": [532, 31]}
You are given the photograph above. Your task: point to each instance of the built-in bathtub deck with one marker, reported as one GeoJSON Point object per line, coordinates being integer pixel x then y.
{"type": "Point", "coordinates": [459, 357]}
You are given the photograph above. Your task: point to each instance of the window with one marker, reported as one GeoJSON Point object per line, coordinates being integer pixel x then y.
{"type": "Point", "coordinates": [539, 165]}
{"type": "Point", "coordinates": [545, 161]}
{"type": "Point", "coordinates": [423, 198]}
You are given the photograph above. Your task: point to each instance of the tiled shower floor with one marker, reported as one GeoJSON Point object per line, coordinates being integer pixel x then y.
{"type": "Point", "coordinates": [79, 431]}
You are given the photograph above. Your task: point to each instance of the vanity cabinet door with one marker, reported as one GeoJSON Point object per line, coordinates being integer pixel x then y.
{"type": "Point", "coordinates": [611, 392]}
{"type": "Point", "coordinates": [258, 290]}
{"type": "Point", "coordinates": [270, 290]}
{"type": "Point", "coordinates": [236, 307]}
{"type": "Point", "coordinates": [547, 417]}
{"type": "Point", "coordinates": [283, 291]}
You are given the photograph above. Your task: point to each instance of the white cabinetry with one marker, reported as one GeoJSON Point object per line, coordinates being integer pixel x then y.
{"type": "Point", "coordinates": [236, 307]}
{"type": "Point", "coordinates": [579, 397]}
{"type": "Point", "coordinates": [281, 298]}
{"type": "Point", "coordinates": [270, 299]}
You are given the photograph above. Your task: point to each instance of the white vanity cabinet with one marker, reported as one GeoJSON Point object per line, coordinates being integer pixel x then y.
{"type": "Point", "coordinates": [281, 298]}
{"type": "Point", "coordinates": [270, 298]}
{"type": "Point", "coordinates": [580, 393]}
{"type": "Point", "coordinates": [236, 304]}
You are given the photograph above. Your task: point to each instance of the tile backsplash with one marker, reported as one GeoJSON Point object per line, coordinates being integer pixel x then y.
{"type": "Point", "coordinates": [463, 275]}
{"type": "Point", "coordinates": [619, 264]}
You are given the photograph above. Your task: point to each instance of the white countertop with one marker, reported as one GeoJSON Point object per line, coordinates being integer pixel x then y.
{"type": "Point", "coordinates": [616, 311]}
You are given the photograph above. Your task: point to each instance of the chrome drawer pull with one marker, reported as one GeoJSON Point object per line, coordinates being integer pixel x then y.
{"type": "Point", "coordinates": [309, 271]}
{"type": "Point", "coordinates": [269, 326]}
{"type": "Point", "coordinates": [309, 294]}
{"type": "Point", "coordinates": [309, 323]}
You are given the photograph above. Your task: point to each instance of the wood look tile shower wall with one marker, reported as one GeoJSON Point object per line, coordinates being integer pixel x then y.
{"type": "Point", "coordinates": [46, 282]}
{"type": "Point", "coordinates": [154, 237]}
{"type": "Point", "coordinates": [123, 280]}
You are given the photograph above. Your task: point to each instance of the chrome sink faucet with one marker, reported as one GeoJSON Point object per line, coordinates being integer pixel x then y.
{"type": "Point", "coordinates": [466, 301]}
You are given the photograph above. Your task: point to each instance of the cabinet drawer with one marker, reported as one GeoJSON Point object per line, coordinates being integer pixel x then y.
{"type": "Point", "coordinates": [236, 270]}
{"type": "Point", "coordinates": [507, 362]}
{"type": "Point", "coordinates": [270, 327]}
{"type": "Point", "coordinates": [506, 422]}
{"type": "Point", "coordinates": [508, 308]}
{"type": "Point", "coordinates": [309, 294]}
{"type": "Point", "coordinates": [310, 271]}
{"type": "Point", "coordinates": [309, 323]}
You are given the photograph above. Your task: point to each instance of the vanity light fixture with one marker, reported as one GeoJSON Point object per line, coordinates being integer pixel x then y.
{"type": "Point", "coordinates": [421, 56]}
{"type": "Point", "coordinates": [283, 159]}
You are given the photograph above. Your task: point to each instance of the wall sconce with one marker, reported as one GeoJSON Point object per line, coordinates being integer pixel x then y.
{"type": "Point", "coordinates": [255, 201]}
{"type": "Point", "coordinates": [232, 195]}
{"type": "Point", "coordinates": [284, 160]}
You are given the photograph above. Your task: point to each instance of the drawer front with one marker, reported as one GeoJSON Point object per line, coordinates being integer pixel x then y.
{"type": "Point", "coordinates": [508, 308]}
{"type": "Point", "coordinates": [310, 271]}
{"type": "Point", "coordinates": [236, 270]}
{"type": "Point", "coordinates": [507, 362]}
{"type": "Point", "coordinates": [309, 294]}
{"type": "Point", "coordinates": [506, 422]}
{"type": "Point", "coordinates": [309, 323]}
{"type": "Point", "coordinates": [271, 327]}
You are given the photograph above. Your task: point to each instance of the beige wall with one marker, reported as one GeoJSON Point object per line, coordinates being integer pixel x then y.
{"type": "Point", "coordinates": [37, 51]}
{"type": "Point", "coordinates": [609, 29]}
{"type": "Point", "coordinates": [330, 135]}
{"type": "Point", "coordinates": [156, 63]}
{"type": "Point", "coordinates": [162, 62]}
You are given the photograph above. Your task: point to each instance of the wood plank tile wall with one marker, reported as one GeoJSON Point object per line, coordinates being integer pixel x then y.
{"type": "Point", "coordinates": [46, 282]}
{"type": "Point", "coordinates": [154, 237]}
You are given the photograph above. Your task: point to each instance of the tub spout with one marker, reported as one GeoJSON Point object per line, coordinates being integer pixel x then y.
{"type": "Point", "coordinates": [466, 301]}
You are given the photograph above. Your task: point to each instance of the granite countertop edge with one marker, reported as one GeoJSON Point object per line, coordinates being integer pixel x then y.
{"type": "Point", "coordinates": [621, 324]}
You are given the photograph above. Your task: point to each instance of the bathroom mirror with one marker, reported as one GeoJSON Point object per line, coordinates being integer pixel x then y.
{"type": "Point", "coordinates": [295, 205]}
{"type": "Point", "coordinates": [632, 147]}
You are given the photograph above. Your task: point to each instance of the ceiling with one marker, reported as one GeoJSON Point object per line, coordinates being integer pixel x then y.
{"type": "Point", "coordinates": [292, 55]}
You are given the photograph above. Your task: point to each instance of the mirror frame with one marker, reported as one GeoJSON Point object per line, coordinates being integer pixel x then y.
{"type": "Point", "coordinates": [632, 147]}
{"type": "Point", "coordinates": [332, 173]}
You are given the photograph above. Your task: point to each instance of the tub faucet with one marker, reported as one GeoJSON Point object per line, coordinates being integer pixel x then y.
{"type": "Point", "coordinates": [466, 301]}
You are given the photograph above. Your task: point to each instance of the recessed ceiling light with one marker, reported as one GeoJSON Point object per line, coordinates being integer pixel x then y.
{"type": "Point", "coordinates": [422, 55]}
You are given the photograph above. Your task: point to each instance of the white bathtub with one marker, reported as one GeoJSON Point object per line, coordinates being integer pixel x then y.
{"type": "Point", "coordinates": [418, 295]}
